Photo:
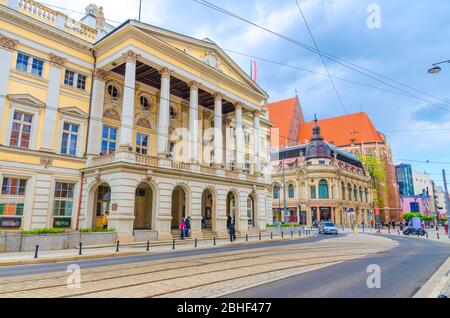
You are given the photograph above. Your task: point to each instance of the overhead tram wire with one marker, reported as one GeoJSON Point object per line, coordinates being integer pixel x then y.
{"type": "Point", "coordinates": [324, 54]}
{"type": "Point", "coordinates": [322, 59]}
{"type": "Point", "coordinates": [327, 55]}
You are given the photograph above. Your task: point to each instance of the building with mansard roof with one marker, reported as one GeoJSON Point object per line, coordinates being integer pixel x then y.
{"type": "Point", "coordinates": [320, 182]}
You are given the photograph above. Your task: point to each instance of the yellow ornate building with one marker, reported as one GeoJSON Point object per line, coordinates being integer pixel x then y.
{"type": "Point", "coordinates": [320, 182]}
{"type": "Point", "coordinates": [141, 122]}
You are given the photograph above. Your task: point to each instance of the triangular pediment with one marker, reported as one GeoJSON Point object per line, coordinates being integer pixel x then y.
{"type": "Point", "coordinates": [26, 99]}
{"type": "Point", "coordinates": [205, 51]}
{"type": "Point", "coordinates": [73, 111]}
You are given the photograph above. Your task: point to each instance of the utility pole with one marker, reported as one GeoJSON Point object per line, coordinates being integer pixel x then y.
{"type": "Point", "coordinates": [284, 192]}
{"type": "Point", "coordinates": [447, 203]}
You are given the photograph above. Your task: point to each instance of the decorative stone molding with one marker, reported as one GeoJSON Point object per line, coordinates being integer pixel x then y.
{"type": "Point", "coordinates": [45, 161]}
{"type": "Point", "coordinates": [218, 96]}
{"type": "Point", "coordinates": [165, 72]}
{"type": "Point", "coordinates": [194, 85]}
{"type": "Point", "coordinates": [130, 56]}
{"type": "Point", "coordinates": [8, 43]}
{"type": "Point", "coordinates": [184, 107]}
{"type": "Point", "coordinates": [99, 75]}
{"type": "Point", "coordinates": [57, 61]}
{"type": "Point", "coordinates": [238, 105]}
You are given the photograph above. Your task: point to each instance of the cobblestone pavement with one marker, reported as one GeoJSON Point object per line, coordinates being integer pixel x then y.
{"type": "Point", "coordinates": [210, 275]}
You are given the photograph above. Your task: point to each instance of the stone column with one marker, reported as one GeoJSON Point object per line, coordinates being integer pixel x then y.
{"type": "Point", "coordinates": [239, 139]}
{"type": "Point", "coordinates": [7, 47]}
{"type": "Point", "coordinates": [95, 123]}
{"type": "Point", "coordinates": [164, 114]}
{"type": "Point", "coordinates": [256, 143]}
{"type": "Point", "coordinates": [218, 133]}
{"type": "Point", "coordinates": [126, 128]}
{"type": "Point", "coordinates": [193, 123]}
{"type": "Point", "coordinates": [54, 84]}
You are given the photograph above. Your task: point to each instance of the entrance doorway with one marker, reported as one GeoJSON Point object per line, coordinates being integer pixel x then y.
{"type": "Point", "coordinates": [325, 214]}
{"type": "Point", "coordinates": [143, 205]}
{"type": "Point", "coordinates": [251, 211]}
{"type": "Point", "coordinates": [178, 206]}
{"type": "Point", "coordinates": [231, 208]}
{"type": "Point", "coordinates": [208, 218]}
{"type": "Point", "coordinates": [102, 204]}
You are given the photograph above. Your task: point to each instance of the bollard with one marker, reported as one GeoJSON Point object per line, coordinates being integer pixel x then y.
{"type": "Point", "coordinates": [398, 231]}
{"type": "Point", "coordinates": [36, 251]}
{"type": "Point", "coordinates": [292, 234]}
{"type": "Point", "coordinates": [437, 233]}
{"type": "Point", "coordinates": [271, 235]}
{"type": "Point", "coordinates": [81, 249]}
{"type": "Point", "coordinates": [173, 244]}
{"type": "Point", "coordinates": [196, 243]}
{"type": "Point", "coordinates": [214, 241]}
{"type": "Point", "coordinates": [427, 234]}
{"type": "Point", "coordinates": [299, 233]}
{"type": "Point", "coordinates": [260, 236]}
{"type": "Point", "coordinates": [117, 247]}
{"type": "Point", "coordinates": [148, 246]}
{"type": "Point", "coordinates": [246, 237]}
{"type": "Point", "coordinates": [282, 233]}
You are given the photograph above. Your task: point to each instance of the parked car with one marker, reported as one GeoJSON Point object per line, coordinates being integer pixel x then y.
{"type": "Point", "coordinates": [412, 231]}
{"type": "Point", "coordinates": [328, 228]}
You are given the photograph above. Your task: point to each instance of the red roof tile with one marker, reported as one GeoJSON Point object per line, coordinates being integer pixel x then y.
{"type": "Point", "coordinates": [281, 115]}
{"type": "Point", "coordinates": [344, 130]}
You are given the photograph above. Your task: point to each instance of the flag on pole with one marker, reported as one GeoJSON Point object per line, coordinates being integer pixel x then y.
{"type": "Point", "coordinates": [255, 71]}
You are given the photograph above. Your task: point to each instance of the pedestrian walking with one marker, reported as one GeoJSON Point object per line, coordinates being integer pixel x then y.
{"type": "Point", "coordinates": [188, 226]}
{"type": "Point", "coordinates": [182, 228]}
{"type": "Point", "coordinates": [228, 221]}
{"type": "Point", "coordinates": [446, 228]}
{"type": "Point", "coordinates": [232, 230]}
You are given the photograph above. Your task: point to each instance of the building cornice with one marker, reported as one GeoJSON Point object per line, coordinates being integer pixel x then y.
{"type": "Point", "coordinates": [28, 23]}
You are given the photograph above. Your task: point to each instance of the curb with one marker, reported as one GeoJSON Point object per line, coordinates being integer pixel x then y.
{"type": "Point", "coordinates": [434, 286]}
{"type": "Point", "coordinates": [122, 254]}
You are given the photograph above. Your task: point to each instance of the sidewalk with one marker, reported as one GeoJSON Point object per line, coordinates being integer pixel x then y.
{"type": "Point", "coordinates": [92, 252]}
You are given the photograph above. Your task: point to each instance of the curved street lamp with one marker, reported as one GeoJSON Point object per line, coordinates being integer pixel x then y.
{"type": "Point", "coordinates": [435, 69]}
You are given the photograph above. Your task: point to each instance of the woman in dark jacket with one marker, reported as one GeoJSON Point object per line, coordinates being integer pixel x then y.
{"type": "Point", "coordinates": [232, 231]}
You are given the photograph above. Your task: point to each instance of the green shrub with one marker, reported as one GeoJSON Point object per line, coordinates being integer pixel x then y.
{"type": "Point", "coordinates": [443, 220]}
{"type": "Point", "coordinates": [96, 230]}
{"type": "Point", "coordinates": [43, 231]}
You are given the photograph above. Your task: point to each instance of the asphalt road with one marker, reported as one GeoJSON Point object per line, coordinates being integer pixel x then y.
{"type": "Point", "coordinates": [404, 270]}
{"type": "Point", "coordinates": [13, 271]}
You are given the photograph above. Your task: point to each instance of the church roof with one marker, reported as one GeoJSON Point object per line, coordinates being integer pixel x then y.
{"type": "Point", "coordinates": [281, 114]}
{"type": "Point", "coordinates": [344, 130]}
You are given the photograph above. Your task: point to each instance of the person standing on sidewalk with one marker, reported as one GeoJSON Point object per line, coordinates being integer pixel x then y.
{"type": "Point", "coordinates": [188, 227]}
{"type": "Point", "coordinates": [446, 228]}
{"type": "Point", "coordinates": [182, 228]}
{"type": "Point", "coordinates": [232, 231]}
{"type": "Point", "coordinates": [105, 220]}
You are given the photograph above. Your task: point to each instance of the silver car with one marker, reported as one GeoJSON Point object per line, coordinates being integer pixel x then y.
{"type": "Point", "coordinates": [328, 228]}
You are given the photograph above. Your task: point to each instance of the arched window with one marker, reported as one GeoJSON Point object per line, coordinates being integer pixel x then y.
{"type": "Point", "coordinates": [291, 191]}
{"type": "Point", "coordinates": [276, 191]}
{"type": "Point", "coordinates": [343, 190]}
{"type": "Point", "coordinates": [355, 194]}
{"type": "Point", "coordinates": [360, 194]}
{"type": "Point", "coordinates": [323, 190]}
{"type": "Point", "coordinates": [349, 192]}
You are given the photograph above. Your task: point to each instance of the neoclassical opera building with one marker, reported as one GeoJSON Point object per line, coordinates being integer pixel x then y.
{"type": "Point", "coordinates": [144, 123]}
{"type": "Point", "coordinates": [320, 182]}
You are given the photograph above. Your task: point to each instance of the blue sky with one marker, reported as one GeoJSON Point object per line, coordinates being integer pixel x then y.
{"type": "Point", "coordinates": [413, 35]}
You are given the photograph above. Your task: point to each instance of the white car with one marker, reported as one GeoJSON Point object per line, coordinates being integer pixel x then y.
{"type": "Point", "coordinates": [328, 228]}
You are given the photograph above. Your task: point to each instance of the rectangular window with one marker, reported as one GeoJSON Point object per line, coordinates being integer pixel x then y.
{"type": "Point", "coordinates": [109, 137]}
{"type": "Point", "coordinates": [11, 209]}
{"type": "Point", "coordinates": [14, 186]}
{"type": "Point", "coordinates": [69, 139]}
{"type": "Point", "coordinates": [22, 62]}
{"type": "Point", "coordinates": [69, 78]}
{"type": "Point", "coordinates": [63, 204]}
{"type": "Point", "coordinates": [36, 67]}
{"type": "Point", "coordinates": [29, 64]}
{"type": "Point", "coordinates": [142, 144]}
{"type": "Point", "coordinates": [313, 192]}
{"type": "Point", "coordinates": [21, 130]}
{"type": "Point", "coordinates": [81, 82]}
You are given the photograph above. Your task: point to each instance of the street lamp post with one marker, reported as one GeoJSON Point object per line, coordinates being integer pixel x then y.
{"type": "Point", "coordinates": [435, 69]}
